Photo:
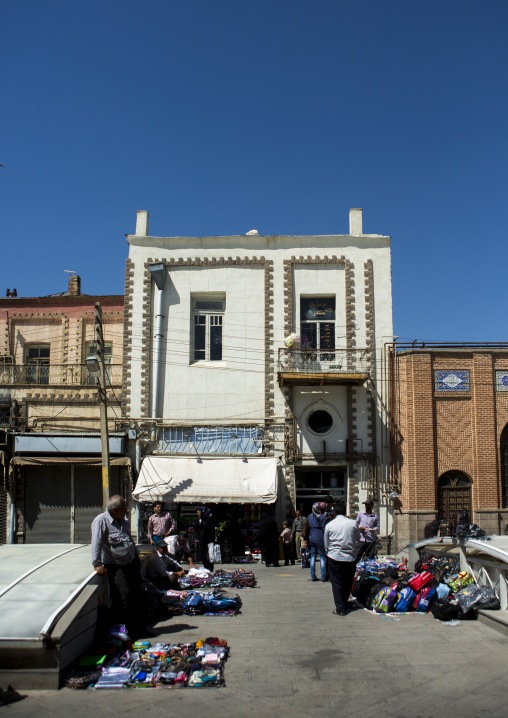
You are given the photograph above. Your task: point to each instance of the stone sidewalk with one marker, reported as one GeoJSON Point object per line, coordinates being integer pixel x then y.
{"type": "Point", "coordinates": [290, 656]}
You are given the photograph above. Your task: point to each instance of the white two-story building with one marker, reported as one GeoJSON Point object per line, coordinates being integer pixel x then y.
{"type": "Point", "coordinates": [226, 412]}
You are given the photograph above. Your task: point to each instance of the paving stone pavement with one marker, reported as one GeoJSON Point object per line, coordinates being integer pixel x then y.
{"type": "Point", "coordinates": [290, 656]}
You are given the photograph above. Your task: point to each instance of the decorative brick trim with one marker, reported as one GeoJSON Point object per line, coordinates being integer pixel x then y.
{"type": "Point", "coordinates": [42, 317]}
{"type": "Point", "coordinates": [289, 477]}
{"type": "Point", "coordinates": [371, 345]}
{"type": "Point", "coordinates": [127, 337]}
{"type": "Point", "coordinates": [208, 262]}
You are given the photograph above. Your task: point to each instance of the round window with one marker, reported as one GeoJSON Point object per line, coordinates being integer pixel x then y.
{"type": "Point", "coordinates": [320, 421]}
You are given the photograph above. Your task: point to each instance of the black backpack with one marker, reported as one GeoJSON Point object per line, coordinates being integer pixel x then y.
{"type": "Point", "coordinates": [363, 585]}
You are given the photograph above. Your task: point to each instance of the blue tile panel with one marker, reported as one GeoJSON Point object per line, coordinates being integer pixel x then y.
{"type": "Point", "coordinates": [455, 381]}
{"type": "Point", "coordinates": [501, 380]}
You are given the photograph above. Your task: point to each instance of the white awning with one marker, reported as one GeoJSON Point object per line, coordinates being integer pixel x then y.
{"type": "Point", "coordinates": [206, 481]}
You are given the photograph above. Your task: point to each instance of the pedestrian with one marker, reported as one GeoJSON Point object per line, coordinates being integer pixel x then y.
{"type": "Point", "coordinates": [114, 554]}
{"type": "Point", "coordinates": [291, 518]}
{"type": "Point", "coordinates": [329, 512]}
{"type": "Point", "coordinates": [206, 535]}
{"type": "Point", "coordinates": [317, 522]}
{"type": "Point", "coordinates": [341, 537]}
{"type": "Point", "coordinates": [287, 544]}
{"type": "Point", "coordinates": [296, 532]}
{"type": "Point", "coordinates": [368, 523]}
{"type": "Point", "coordinates": [160, 524]}
{"type": "Point", "coordinates": [162, 570]}
{"type": "Point", "coordinates": [232, 535]}
{"type": "Point", "coordinates": [267, 538]}
{"type": "Point", "coordinates": [178, 548]}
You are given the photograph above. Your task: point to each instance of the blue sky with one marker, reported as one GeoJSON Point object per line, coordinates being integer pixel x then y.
{"type": "Point", "coordinates": [218, 116]}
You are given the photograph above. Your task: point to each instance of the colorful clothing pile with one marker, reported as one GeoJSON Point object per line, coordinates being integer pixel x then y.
{"type": "Point", "coordinates": [195, 665]}
{"type": "Point", "coordinates": [239, 578]}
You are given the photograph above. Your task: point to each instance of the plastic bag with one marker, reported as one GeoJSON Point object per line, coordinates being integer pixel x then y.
{"type": "Point", "coordinates": [443, 591]}
{"type": "Point", "coordinates": [468, 597]}
{"type": "Point", "coordinates": [444, 610]}
{"type": "Point", "coordinates": [488, 599]}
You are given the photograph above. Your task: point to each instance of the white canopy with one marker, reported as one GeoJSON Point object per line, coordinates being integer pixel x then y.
{"type": "Point", "coordinates": [209, 481]}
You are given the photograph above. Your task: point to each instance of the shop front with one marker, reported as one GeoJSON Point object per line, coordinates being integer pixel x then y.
{"type": "Point", "coordinates": [313, 483]}
{"type": "Point", "coordinates": [235, 489]}
{"type": "Point", "coordinates": [54, 497]}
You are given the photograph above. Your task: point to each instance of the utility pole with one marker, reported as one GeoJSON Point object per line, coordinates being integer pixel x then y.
{"type": "Point", "coordinates": [99, 338]}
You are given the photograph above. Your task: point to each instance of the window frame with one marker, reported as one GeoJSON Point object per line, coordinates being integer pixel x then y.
{"type": "Point", "coordinates": [319, 324]}
{"type": "Point", "coordinates": [212, 318]}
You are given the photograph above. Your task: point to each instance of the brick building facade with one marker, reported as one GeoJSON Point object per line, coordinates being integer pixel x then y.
{"type": "Point", "coordinates": [450, 437]}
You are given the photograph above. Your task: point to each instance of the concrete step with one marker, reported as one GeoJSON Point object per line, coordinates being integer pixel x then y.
{"type": "Point", "coordinates": [495, 619]}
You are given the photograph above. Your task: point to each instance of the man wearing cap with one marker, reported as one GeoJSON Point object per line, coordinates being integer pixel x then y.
{"type": "Point", "coordinates": [178, 548]}
{"type": "Point", "coordinates": [368, 523]}
{"type": "Point", "coordinates": [160, 524]}
{"type": "Point", "coordinates": [162, 570]}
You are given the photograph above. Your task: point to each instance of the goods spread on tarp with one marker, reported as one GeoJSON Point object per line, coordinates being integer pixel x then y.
{"type": "Point", "coordinates": [143, 665]}
{"type": "Point", "coordinates": [437, 585]}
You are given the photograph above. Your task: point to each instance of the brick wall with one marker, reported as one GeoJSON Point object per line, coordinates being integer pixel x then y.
{"type": "Point", "coordinates": [443, 431]}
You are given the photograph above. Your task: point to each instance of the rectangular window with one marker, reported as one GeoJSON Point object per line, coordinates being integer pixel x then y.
{"type": "Point", "coordinates": [317, 323]}
{"type": "Point", "coordinates": [207, 317]}
{"type": "Point", "coordinates": [37, 363]}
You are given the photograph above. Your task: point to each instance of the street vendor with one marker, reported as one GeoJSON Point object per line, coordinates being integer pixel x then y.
{"type": "Point", "coordinates": [178, 548]}
{"type": "Point", "coordinates": [160, 524]}
{"type": "Point", "coordinates": [368, 523]}
{"type": "Point", "coordinates": [162, 570]}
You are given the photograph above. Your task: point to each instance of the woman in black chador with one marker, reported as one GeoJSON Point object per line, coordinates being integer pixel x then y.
{"type": "Point", "coordinates": [267, 539]}
{"type": "Point", "coordinates": [206, 535]}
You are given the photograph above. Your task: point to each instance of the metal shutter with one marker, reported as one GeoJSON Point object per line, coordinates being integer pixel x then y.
{"type": "Point", "coordinates": [88, 498]}
{"type": "Point", "coordinates": [48, 504]}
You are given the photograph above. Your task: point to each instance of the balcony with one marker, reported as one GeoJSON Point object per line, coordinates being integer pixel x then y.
{"type": "Point", "coordinates": [314, 367]}
{"type": "Point", "coordinates": [55, 374]}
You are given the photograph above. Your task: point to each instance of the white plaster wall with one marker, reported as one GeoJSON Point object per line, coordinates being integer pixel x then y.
{"type": "Point", "coordinates": [307, 399]}
{"type": "Point", "coordinates": [319, 278]}
{"type": "Point", "coordinates": [215, 390]}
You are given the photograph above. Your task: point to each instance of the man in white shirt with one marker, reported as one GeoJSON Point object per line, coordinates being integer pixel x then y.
{"type": "Point", "coordinates": [341, 538]}
{"type": "Point", "coordinates": [178, 547]}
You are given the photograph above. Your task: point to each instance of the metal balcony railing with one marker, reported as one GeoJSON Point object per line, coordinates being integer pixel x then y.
{"type": "Point", "coordinates": [334, 361]}
{"type": "Point", "coordinates": [70, 374]}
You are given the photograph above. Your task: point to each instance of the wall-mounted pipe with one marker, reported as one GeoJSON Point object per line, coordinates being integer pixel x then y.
{"type": "Point", "coordinates": [158, 272]}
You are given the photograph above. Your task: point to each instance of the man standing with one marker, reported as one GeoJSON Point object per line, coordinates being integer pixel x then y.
{"type": "Point", "coordinates": [368, 523]}
{"type": "Point", "coordinates": [114, 554]}
{"type": "Point", "coordinates": [160, 524]}
{"type": "Point", "coordinates": [162, 570]}
{"type": "Point", "coordinates": [296, 532]}
{"type": "Point", "coordinates": [178, 547]}
{"type": "Point", "coordinates": [341, 538]}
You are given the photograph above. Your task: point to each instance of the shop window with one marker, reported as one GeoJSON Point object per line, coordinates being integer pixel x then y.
{"type": "Point", "coordinates": [317, 323]}
{"type": "Point", "coordinates": [207, 319]}
{"type": "Point", "coordinates": [37, 363]}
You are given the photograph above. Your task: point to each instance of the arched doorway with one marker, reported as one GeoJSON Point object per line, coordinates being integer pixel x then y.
{"type": "Point", "coordinates": [453, 494]}
{"type": "Point", "coordinates": [504, 467]}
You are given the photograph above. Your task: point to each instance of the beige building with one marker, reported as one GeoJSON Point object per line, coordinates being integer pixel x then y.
{"type": "Point", "coordinates": [213, 375]}
{"type": "Point", "coordinates": [49, 412]}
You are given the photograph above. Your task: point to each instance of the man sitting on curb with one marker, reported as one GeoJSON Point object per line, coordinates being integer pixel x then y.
{"type": "Point", "coordinates": [162, 570]}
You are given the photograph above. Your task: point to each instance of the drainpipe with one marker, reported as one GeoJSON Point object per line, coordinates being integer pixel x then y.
{"type": "Point", "coordinates": [138, 468]}
{"type": "Point", "coordinates": [158, 272]}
